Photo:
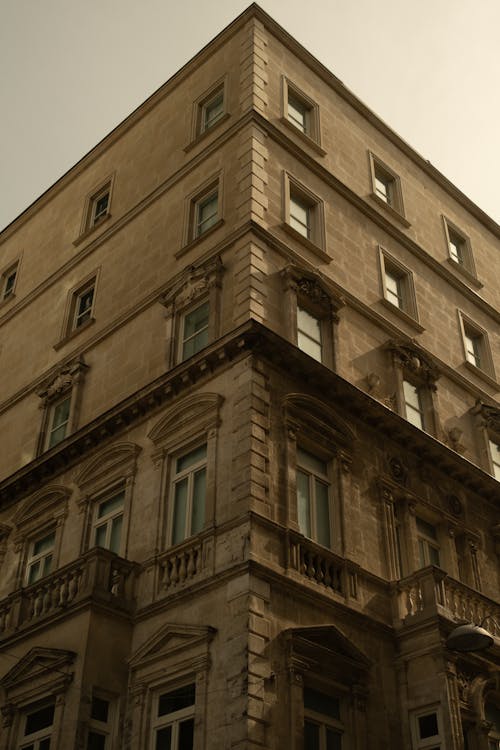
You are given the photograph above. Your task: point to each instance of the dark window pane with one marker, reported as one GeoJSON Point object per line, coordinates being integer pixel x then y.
{"type": "Point", "coordinates": [333, 740]}
{"type": "Point", "coordinates": [177, 699]}
{"type": "Point", "coordinates": [186, 734]}
{"type": "Point", "coordinates": [311, 736]}
{"type": "Point", "coordinates": [44, 744]}
{"type": "Point", "coordinates": [321, 703]}
{"type": "Point", "coordinates": [428, 726]}
{"type": "Point", "coordinates": [164, 739]}
{"type": "Point", "coordinates": [96, 741]}
{"type": "Point", "coordinates": [99, 709]}
{"type": "Point", "coordinates": [39, 719]}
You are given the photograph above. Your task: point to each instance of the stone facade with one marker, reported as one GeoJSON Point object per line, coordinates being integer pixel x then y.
{"type": "Point", "coordinates": [249, 477]}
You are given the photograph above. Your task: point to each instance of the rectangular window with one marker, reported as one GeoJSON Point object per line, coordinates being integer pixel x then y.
{"type": "Point", "coordinates": [206, 213]}
{"type": "Point", "coordinates": [100, 207]}
{"type": "Point", "coordinates": [58, 421]}
{"type": "Point", "coordinates": [40, 557]}
{"type": "Point", "coordinates": [98, 737]}
{"type": "Point", "coordinates": [459, 250]}
{"type": "Point", "coordinates": [173, 722]}
{"type": "Point", "coordinates": [472, 347]}
{"type": "Point", "coordinates": [323, 728]}
{"type": "Point", "coordinates": [397, 284]}
{"type": "Point", "coordinates": [313, 498]}
{"type": "Point", "coordinates": [212, 110]}
{"type": "Point", "coordinates": [476, 346]}
{"type": "Point", "coordinates": [300, 112]}
{"type": "Point", "coordinates": [188, 494]}
{"type": "Point", "coordinates": [456, 246]}
{"type": "Point", "coordinates": [300, 216]}
{"type": "Point", "coordinates": [108, 522]}
{"type": "Point", "coordinates": [309, 334]}
{"type": "Point", "coordinates": [194, 335]}
{"type": "Point", "coordinates": [386, 185]}
{"type": "Point", "coordinates": [426, 730]}
{"type": "Point", "coordinates": [394, 289]}
{"type": "Point", "coordinates": [495, 458]}
{"type": "Point", "coordinates": [38, 729]}
{"type": "Point", "coordinates": [82, 305]}
{"type": "Point", "coordinates": [8, 282]}
{"type": "Point", "coordinates": [428, 546]}
{"type": "Point", "coordinates": [414, 411]}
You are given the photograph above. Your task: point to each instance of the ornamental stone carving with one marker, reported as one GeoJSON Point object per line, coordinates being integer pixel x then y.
{"type": "Point", "coordinates": [409, 356]}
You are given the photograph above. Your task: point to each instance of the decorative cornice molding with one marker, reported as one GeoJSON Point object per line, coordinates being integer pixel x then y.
{"type": "Point", "coordinates": [413, 359]}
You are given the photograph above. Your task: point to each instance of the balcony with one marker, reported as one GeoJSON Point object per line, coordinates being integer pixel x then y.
{"type": "Point", "coordinates": [430, 592]}
{"type": "Point", "coordinates": [98, 576]}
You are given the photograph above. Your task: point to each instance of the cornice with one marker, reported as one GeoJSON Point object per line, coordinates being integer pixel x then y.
{"type": "Point", "coordinates": [252, 12]}
{"type": "Point", "coordinates": [251, 338]}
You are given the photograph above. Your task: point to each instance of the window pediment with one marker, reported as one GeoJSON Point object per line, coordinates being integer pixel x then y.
{"type": "Point", "coordinates": [118, 460]}
{"type": "Point", "coordinates": [179, 645]}
{"type": "Point", "coordinates": [311, 286]}
{"type": "Point", "coordinates": [310, 415]}
{"type": "Point", "coordinates": [192, 415]}
{"type": "Point", "coordinates": [50, 501]}
{"type": "Point", "coordinates": [489, 415]}
{"type": "Point", "coordinates": [327, 650]}
{"type": "Point", "coordinates": [62, 380]}
{"type": "Point", "coordinates": [193, 283]}
{"type": "Point", "coordinates": [413, 360]}
{"type": "Point", "coordinates": [40, 670]}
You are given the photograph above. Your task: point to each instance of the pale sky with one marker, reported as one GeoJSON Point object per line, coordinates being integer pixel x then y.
{"type": "Point", "coordinates": [71, 70]}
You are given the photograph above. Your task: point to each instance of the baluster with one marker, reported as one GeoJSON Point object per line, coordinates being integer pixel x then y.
{"type": "Point", "coordinates": [190, 565]}
{"type": "Point", "coordinates": [64, 590]}
{"type": "Point", "coordinates": [319, 569]}
{"type": "Point", "coordinates": [310, 567]}
{"type": "Point", "coordinates": [182, 567]}
{"type": "Point", "coordinates": [47, 599]}
{"type": "Point", "coordinates": [166, 574]}
{"type": "Point", "coordinates": [175, 572]}
{"type": "Point", "coordinates": [38, 602]}
{"type": "Point", "coordinates": [73, 585]}
{"type": "Point", "coordinates": [302, 558]}
{"type": "Point", "coordinates": [327, 580]}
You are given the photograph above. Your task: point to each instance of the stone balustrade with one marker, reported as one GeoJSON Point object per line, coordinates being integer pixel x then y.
{"type": "Point", "coordinates": [431, 591]}
{"type": "Point", "coordinates": [320, 565]}
{"type": "Point", "coordinates": [181, 565]}
{"type": "Point", "coordinates": [97, 575]}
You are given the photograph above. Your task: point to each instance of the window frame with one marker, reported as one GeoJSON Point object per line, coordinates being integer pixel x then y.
{"type": "Point", "coordinates": [324, 721]}
{"type": "Point", "coordinates": [469, 330]}
{"type": "Point", "coordinates": [182, 356]}
{"type": "Point", "coordinates": [176, 477]}
{"type": "Point", "coordinates": [66, 398]}
{"type": "Point", "coordinates": [70, 329]}
{"type": "Point", "coordinates": [105, 729]}
{"type": "Point", "coordinates": [408, 406]}
{"type": "Point", "coordinates": [404, 277]}
{"type": "Point", "coordinates": [293, 190]}
{"type": "Point", "coordinates": [175, 717]}
{"type": "Point", "coordinates": [65, 383]}
{"type": "Point", "coordinates": [494, 444]}
{"type": "Point", "coordinates": [311, 135]}
{"type": "Point", "coordinates": [33, 559]}
{"type": "Point", "coordinates": [314, 478]}
{"type": "Point", "coordinates": [427, 541]}
{"type": "Point", "coordinates": [35, 738]}
{"type": "Point", "coordinates": [110, 494]}
{"type": "Point", "coordinates": [199, 130]}
{"type": "Point", "coordinates": [394, 204]}
{"type": "Point", "coordinates": [89, 222]}
{"type": "Point", "coordinates": [7, 293]}
{"type": "Point", "coordinates": [414, 366]}
{"type": "Point", "coordinates": [466, 266]}
{"type": "Point", "coordinates": [437, 740]}
{"type": "Point", "coordinates": [194, 202]}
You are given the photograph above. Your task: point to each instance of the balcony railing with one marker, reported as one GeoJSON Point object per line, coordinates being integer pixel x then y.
{"type": "Point", "coordinates": [430, 591]}
{"type": "Point", "coordinates": [98, 575]}
{"type": "Point", "coordinates": [185, 563]}
{"type": "Point", "coordinates": [321, 566]}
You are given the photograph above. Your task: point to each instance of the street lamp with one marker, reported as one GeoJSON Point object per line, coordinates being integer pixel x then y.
{"type": "Point", "coordinates": [470, 637]}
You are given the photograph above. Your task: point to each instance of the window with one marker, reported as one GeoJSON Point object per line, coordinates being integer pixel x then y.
{"type": "Point", "coordinates": [494, 449]}
{"type": "Point", "coordinates": [37, 729]}
{"type": "Point", "coordinates": [323, 728]}
{"type": "Point", "coordinates": [58, 421]}
{"type": "Point", "coordinates": [309, 334]}
{"type": "Point", "coordinates": [426, 730]}
{"type": "Point", "coordinates": [205, 212]}
{"type": "Point", "coordinates": [397, 285]}
{"type": "Point", "coordinates": [194, 336]}
{"type": "Point", "coordinates": [386, 186]}
{"type": "Point", "coordinates": [108, 522]}
{"type": "Point", "coordinates": [476, 347]}
{"type": "Point", "coordinates": [188, 494]}
{"type": "Point", "coordinates": [459, 250]}
{"type": "Point", "coordinates": [99, 725]}
{"type": "Point", "coordinates": [212, 110]}
{"type": "Point", "coordinates": [303, 213]}
{"type": "Point", "coordinates": [8, 282]}
{"type": "Point", "coordinates": [40, 558]}
{"type": "Point", "coordinates": [100, 206]}
{"type": "Point", "coordinates": [173, 722]}
{"type": "Point", "coordinates": [414, 411]}
{"type": "Point", "coordinates": [313, 498]}
{"type": "Point", "coordinates": [300, 216]}
{"type": "Point", "coordinates": [300, 113]}
{"type": "Point", "coordinates": [428, 546]}
{"type": "Point", "coordinates": [82, 305]}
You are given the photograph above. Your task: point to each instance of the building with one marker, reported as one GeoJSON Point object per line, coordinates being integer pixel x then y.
{"type": "Point", "coordinates": [249, 477]}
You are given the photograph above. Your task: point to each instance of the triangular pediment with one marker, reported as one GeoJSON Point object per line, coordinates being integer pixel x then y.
{"type": "Point", "coordinates": [39, 663]}
{"type": "Point", "coordinates": [170, 640]}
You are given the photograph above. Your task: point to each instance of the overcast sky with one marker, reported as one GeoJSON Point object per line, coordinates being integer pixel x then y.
{"type": "Point", "coordinates": [70, 70]}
